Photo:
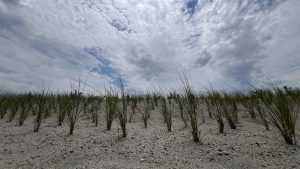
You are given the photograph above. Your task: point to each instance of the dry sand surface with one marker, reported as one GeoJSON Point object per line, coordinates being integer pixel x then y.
{"type": "Point", "coordinates": [249, 146]}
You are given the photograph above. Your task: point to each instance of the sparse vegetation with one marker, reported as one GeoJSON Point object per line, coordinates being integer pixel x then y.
{"type": "Point", "coordinates": [278, 107]}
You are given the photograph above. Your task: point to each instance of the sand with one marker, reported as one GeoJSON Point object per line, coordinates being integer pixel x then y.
{"type": "Point", "coordinates": [248, 146]}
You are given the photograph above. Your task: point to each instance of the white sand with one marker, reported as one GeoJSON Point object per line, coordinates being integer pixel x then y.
{"type": "Point", "coordinates": [249, 146]}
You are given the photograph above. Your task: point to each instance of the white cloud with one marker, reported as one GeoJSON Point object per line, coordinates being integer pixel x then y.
{"type": "Point", "coordinates": [228, 43]}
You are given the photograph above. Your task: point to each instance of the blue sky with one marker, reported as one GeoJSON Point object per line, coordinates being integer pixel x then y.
{"type": "Point", "coordinates": [146, 42]}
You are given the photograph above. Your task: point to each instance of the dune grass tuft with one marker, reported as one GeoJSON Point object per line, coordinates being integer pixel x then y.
{"type": "Point", "coordinates": [282, 112]}
{"type": "Point", "coordinates": [166, 110]}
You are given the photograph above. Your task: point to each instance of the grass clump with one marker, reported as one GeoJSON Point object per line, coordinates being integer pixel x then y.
{"type": "Point", "coordinates": [144, 110]}
{"type": "Point", "coordinates": [14, 107]}
{"type": "Point", "coordinates": [214, 99]}
{"type": "Point", "coordinates": [4, 105]}
{"type": "Point", "coordinates": [230, 110]}
{"type": "Point", "coordinates": [179, 101]}
{"type": "Point", "coordinates": [25, 102]}
{"type": "Point", "coordinates": [259, 108]}
{"type": "Point", "coordinates": [76, 101]}
{"type": "Point", "coordinates": [190, 105]}
{"type": "Point", "coordinates": [166, 110]}
{"type": "Point", "coordinates": [41, 101]}
{"type": "Point", "coordinates": [122, 111]}
{"type": "Point", "coordinates": [133, 104]}
{"type": "Point", "coordinates": [111, 107]}
{"type": "Point", "coordinates": [95, 108]}
{"type": "Point", "coordinates": [63, 104]}
{"type": "Point", "coordinates": [282, 112]}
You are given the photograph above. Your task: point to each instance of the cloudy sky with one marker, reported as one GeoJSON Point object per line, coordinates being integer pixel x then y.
{"type": "Point", "coordinates": [228, 43]}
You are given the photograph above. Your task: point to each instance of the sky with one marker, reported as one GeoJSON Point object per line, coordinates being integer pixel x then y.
{"type": "Point", "coordinates": [148, 43]}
